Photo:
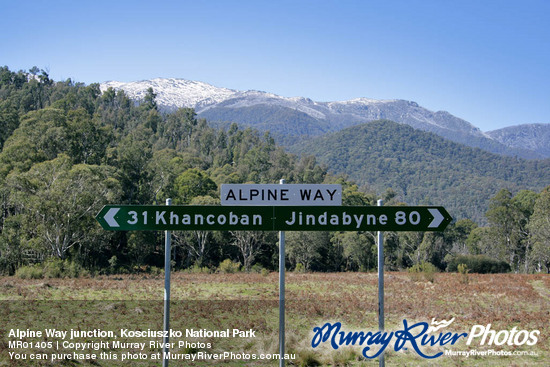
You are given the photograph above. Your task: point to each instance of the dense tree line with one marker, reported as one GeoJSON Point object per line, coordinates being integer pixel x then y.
{"type": "Point", "coordinates": [67, 149]}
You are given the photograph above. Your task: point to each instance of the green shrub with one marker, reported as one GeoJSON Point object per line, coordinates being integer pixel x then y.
{"type": "Point", "coordinates": [139, 269]}
{"type": "Point", "coordinates": [300, 268]}
{"type": "Point", "coordinates": [229, 267]}
{"type": "Point", "coordinates": [113, 262]}
{"type": "Point", "coordinates": [73, 270]}
{"type": "Point", "coordinates": [307, 358]}
{"type": "Point", "coordinates": [30, 272]}
{"type": "Point", "coordinates": [54, 268]}
{"type": "Point", "coordinates": [256, 268]}
{"type": "Point", "coordinates": [155, 270]}
{"type": "Point", "coordinates": [343, 357]}
{"type": "Point", "coordinates": [197, 269]}
{"type": "Point", "coordinates": [57, 268]}
{"type": "Point", "coordinates": [477, 264]}
{"type": "Point", "coordinates": [424, 270]}
{"type": "Point", "coordinates": [463, 271]}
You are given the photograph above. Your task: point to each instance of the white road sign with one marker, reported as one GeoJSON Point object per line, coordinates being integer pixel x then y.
{"type": "Point", "coordinates": [281, 195]}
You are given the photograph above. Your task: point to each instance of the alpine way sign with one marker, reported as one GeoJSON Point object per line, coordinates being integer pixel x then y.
{"type": "Point", "coordinates": [281, 195]}
{"type": "Point", "coordinates": [273, 218]}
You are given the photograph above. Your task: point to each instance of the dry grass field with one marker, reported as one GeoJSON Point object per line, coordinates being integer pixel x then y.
{"type": "Point", "coordinates": [250, 302]}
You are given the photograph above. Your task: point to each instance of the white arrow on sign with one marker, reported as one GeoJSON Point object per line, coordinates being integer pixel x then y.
{"type": "Point", "coordinates": [438, 218]}
{"type": "Point", "coordinates": [110, 217]}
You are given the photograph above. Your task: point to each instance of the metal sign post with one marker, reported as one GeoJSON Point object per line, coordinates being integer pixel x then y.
{"type": "Point", "coordinates": [167, 265]}
{"type": "Point", "coordinates": [381, 284]}
{"type": "Point", "coordinates": [282, 294]}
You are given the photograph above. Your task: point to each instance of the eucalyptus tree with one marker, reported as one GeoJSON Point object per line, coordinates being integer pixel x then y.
{"type": "Point", "coordinates": [539, 227]}
{"type": "Point", "coordinates": [58, 202]}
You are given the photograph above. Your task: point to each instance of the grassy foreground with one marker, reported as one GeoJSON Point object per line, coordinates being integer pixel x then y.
{"type": "Point", "coordinates": [250, 302]}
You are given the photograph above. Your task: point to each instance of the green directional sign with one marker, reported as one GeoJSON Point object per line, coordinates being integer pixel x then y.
{"type": "Point", "coordinates": [273, 218]}
{"type": "Point", "coordinates": [361, 218]}
{"type": "Point", "coordinates": [188, 217]}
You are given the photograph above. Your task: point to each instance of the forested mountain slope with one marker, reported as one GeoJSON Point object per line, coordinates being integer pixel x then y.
{"type": "Point", "coordinates": [424, 168]}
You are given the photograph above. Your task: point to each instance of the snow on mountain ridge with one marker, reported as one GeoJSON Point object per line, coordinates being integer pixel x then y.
{"type": "Point", "coordinates": [363, 100]}
{"type": "Point", "coordinates": [535, 137]}
{"type": "Point", "coordinates": [253, 98]}
{"type": "Point", "coordinates": [177, 93]}
{"type": "Point", "coordinates": [174, 93]}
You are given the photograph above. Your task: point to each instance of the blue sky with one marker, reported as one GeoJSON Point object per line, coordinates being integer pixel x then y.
{"type": "Point", "coordinates": [487, 62]}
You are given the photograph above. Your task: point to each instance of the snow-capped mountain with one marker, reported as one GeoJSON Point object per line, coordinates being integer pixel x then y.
{"type": "Point", "coordinates": [291, 118]}
{"type": "Point", "coordinates": [535, 137]}
{"type": "Point", "coordinates": [174, 93]}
